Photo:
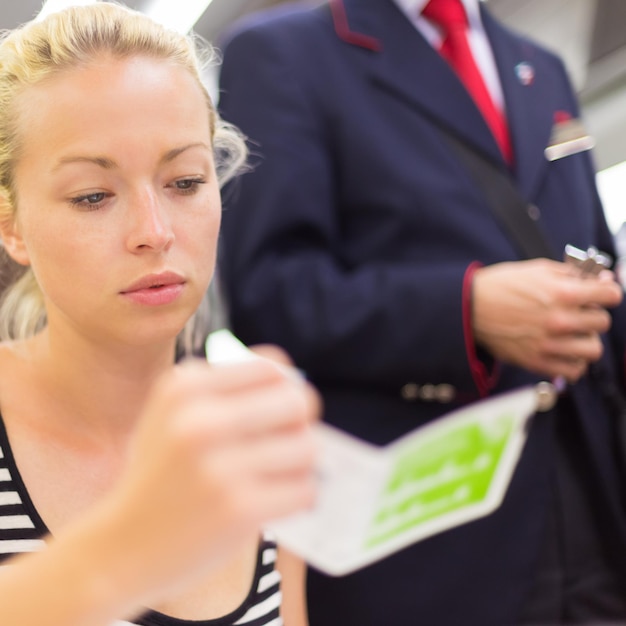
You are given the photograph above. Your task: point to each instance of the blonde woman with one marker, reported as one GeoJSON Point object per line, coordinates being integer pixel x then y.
{"type": "Point", "coordinates": [131, 488]}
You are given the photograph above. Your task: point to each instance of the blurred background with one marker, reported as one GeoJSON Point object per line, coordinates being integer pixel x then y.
{"type": "Point", "coordinates": [590, 36]}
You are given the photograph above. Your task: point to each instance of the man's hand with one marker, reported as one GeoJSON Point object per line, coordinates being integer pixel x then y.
{"type": "Point", "coordinates": [543, 315]}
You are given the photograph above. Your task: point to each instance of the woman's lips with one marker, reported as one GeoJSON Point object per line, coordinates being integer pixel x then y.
{"type": "Point", "coordinates": [155, 289]}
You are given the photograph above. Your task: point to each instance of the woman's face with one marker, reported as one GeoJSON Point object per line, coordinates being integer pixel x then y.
{"type": "Point", "coordinates": [118, 205]}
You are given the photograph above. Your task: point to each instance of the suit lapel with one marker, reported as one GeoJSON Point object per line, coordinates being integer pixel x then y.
{"type": "Point", "coordinates": [405, 65]}
{"type": "Point", "coordinates": [530, 102]}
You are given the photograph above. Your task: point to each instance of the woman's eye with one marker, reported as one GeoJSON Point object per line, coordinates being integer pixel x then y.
{"type": "Point", "coordinates": [188, 185]}
{"type": "Point", "coordinates": [89, 200]}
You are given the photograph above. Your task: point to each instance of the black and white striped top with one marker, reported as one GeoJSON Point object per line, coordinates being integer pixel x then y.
{"type": "Point", "coordinates": [21, 530]}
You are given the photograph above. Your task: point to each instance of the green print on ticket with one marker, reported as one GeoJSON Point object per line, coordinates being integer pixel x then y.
{"type": "Point", "coordinates": [441, 475]}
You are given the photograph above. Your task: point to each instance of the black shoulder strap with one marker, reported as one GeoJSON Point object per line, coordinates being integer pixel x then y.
{"type": "Point", "coordinates": [505, 201]}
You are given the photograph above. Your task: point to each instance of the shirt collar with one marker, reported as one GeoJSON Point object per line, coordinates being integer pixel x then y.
{"type": "Point", "coordinates": [414, 7]}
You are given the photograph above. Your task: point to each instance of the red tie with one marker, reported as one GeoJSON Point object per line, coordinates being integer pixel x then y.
{"type": "Point", "coordinates": [451, 17]}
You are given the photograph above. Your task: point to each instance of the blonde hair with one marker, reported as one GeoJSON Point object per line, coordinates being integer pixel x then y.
{"type": "Point", "coordinates": [63, 40]}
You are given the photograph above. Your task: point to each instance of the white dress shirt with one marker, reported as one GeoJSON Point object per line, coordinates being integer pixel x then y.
{"type": "Point", "coordinates": [477, 37]}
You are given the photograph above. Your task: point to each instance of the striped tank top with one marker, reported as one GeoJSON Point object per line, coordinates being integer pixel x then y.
{"type": "Point", "coordinates": [22, 530]}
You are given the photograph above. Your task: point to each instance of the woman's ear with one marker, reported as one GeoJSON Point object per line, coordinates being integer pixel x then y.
{"type": "Point", "coordinates": [11, 237]}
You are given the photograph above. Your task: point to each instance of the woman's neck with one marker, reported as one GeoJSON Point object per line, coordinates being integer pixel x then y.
{"type": "Point", "coordinates": [98, 389]}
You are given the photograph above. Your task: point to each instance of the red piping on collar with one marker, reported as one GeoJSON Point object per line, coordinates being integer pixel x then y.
{"type": "Point", "coordinates": [342, 28]}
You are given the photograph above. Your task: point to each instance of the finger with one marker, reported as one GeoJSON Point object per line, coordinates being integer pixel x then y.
{"type": "Point", "coordinates": [194, 380]}
{"type": "Point", "coordinates": [194, 375]}
{"type": "Point", "coordinates": [274, 499]}
{"type": "Point", "coordinates": [573, 370]}
{"type": "Point", "coordinates": [579, 321]}
{"type": "Point", "coordinates": [607, 276]}
{"type": "Point", "coordinates": [254, 412]}
{"type": "Point", "coordinates": [287, 453]}
{"type": "Point", "coordinates": [594, 320]}
{"type": "Point", "coordinates": [583, 292]}
{"type": "Point", "coordinates": [270, 409]}
{"type": "Point", "coordinates": [253, 492]}
{"type": "Point", "coordinates": [588, 348]}
{"type": "Point", "coordinates": [555, 367]}
{"type": "Point", "coordinates": [273, 353]}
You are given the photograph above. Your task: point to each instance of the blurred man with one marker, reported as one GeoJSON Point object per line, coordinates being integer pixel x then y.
{"type": "Point", "coordinates": [363, 245]}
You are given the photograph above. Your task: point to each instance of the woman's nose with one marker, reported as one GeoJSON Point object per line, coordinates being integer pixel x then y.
{"type": "Point", "coordinates": [151, 227]}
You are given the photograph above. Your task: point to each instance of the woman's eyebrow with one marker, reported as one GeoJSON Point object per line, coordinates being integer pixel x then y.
{"type": "Point", "coordinates": [102, 162]}
{"type": "Point", "coordinates": [170, 155]}
{"type": "Point", "coordinates": [107, 164]}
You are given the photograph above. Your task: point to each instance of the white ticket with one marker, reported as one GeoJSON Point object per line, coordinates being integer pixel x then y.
{"type": "Point", "coordinates": [374, 501]}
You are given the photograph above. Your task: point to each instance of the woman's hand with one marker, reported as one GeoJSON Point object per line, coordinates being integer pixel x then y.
{"type": "Point", "coordinates": [219, 452]}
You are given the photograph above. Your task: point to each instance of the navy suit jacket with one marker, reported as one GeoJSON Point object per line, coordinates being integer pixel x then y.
{"type": "Point", "coordinates": [351, 244]}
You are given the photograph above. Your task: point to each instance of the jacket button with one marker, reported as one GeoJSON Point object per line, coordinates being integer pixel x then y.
{"type": "Point", "coordinates": [428, 392]}
{"type": "Point", "coordinates": [445, 392]}
{"type": "Point", "coordinates": [533, 212]}
{"type": "Point", "coordinates": [410, 392]}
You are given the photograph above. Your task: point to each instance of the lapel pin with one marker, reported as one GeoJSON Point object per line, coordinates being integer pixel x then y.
{"type": "Point", "coordinates": [525, 73]}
